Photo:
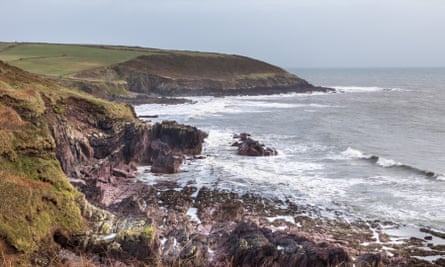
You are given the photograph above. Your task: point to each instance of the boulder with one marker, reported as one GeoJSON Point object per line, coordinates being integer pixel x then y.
{"type": "Point", "coordinates": [166, 163]}
{"type": "Point", "coordinates": [250, 147]}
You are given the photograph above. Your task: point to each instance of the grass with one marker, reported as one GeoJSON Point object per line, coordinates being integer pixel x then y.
{"type": "Point", "coordinates": [62, 60]}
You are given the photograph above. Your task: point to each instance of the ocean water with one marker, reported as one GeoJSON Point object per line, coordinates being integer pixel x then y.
{"type": "Point", "coordinates": [373, 150]}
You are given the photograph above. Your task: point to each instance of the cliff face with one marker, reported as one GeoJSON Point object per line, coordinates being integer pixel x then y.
{"type": "Point", "coordinates": [36, 198]}
{"type": "Point", "coordinates": [48, 133]}
{"type": "Point", "coordinates": [177, 74]}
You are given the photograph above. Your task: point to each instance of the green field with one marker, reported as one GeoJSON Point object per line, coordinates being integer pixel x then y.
{"type": "Point", "coordinates": [62, 59]}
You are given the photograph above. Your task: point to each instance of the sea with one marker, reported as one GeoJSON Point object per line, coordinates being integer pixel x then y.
{"type": "Point", "coordinates": [374, 149]}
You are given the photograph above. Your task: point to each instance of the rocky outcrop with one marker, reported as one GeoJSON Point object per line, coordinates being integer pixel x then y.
{"type": "Point", "coordinates": [249, 147]}
{"type": "Point", "coordinates": [251, 245]}
{"type": "Point", "coordinates": [92, 144]}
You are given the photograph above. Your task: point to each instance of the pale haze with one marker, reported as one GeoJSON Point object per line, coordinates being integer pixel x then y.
{"type": "Point", "coordinates": [307, 33]}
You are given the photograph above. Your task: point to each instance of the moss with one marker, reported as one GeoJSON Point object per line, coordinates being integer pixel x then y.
{"type": "Point", "coordinates": [105, 229]}
{"type": "Point", "coordinates": [145, 233]}
{"type": "Point", "coordinates": [35, 195]}
{"type": "Point", "coordinates": [31, 209]}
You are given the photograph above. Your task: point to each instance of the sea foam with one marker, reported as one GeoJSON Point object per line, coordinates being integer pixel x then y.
{"type": "Point", "coordinates": [364, 89]}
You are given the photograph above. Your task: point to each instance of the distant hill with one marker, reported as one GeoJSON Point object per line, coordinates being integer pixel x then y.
{"type": "Point", "coordinates": [124, 72]}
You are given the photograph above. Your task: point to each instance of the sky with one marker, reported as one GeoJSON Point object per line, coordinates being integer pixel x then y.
{"type": "Point", "coordinates": [288, 33]}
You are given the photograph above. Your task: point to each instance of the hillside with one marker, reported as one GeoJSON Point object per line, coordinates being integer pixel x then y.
{"type": "Point", "coordinates": [124, 72]}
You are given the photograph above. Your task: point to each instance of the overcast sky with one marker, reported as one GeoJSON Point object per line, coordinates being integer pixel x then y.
{"type": "Point", "coordinates": [289, 33]}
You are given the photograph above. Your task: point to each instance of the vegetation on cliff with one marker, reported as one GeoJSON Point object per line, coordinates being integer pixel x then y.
{"type": "Point", "coordinates": [35, 195]}
{"type": "Point", "coordinates": [49, 135]}
{"type": "Point", "coordinates": [118, 71]}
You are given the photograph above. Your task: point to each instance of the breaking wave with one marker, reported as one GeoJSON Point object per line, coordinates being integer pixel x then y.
{"type": "Point", "coordinates": [364, 89]}
{"type": "Point", "coordinates": [389, 163]}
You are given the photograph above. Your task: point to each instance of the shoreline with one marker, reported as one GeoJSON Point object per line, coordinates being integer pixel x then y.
{"type": "Point", "coordinates": [203, 219]}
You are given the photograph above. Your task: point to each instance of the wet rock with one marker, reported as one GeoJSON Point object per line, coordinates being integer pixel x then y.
{"type": "Point", "coordinates": [122, 173]}
{"type": "Point", "coordinates": [185, 139]}
{"type": "Point", "coordinates": [166, 163]}
{"type": "Point", "coordinates": [440, 262]}
{"type": "Point", "coordinates": [194, 253]}
{"type": "Point", "coordinates": [433, 232]}
{"type": "Point", "coordinates": [229, 211]}
{"type": "Point", "coordinates": [368, 260]}
{"type": "Point", "coordinates": [170, 143]}
{"type": "Point", "coordinates": [250, 147]}
{"type": "Point", "coordinates": [428, 237]}
{"type": "Point", "coordinates": [250, 245]}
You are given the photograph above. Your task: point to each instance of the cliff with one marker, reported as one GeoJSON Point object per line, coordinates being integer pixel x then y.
{"type": "Point", "coordinates": [50, 135]}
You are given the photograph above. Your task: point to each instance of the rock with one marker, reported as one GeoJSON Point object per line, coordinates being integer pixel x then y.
{"type": "Point", "coordinates": [170, 143]}
{"type": "Point", "coordinates": [122, 173]}
{"type": "Point", "coordinates": [250, 245]}
{"type": "Point", "coordinates": [230, 211]}
{"type": "Point", "coordinates": [148, 116]}
{"type": "Point", "coordinates": [179, 138]}
{"type": "Point", "coordinates": [140, 243]}
{"type": "Point", "coordinates": [166, 163]}
{"type": "Point", "coordinates": [194, 254]}
{"type": "Point", "coordinates": [249, 147]}
{"type": "Point", "coordinates": [368, 260]}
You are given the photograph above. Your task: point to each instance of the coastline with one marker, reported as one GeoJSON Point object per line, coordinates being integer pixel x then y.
{"type": "Point", "coordinates": [203, 220]}
{"type": "Point", "coordinates": [98, 145]}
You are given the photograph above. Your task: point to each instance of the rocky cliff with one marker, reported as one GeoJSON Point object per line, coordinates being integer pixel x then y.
{"type": "Point", "coordinates": [48, 135]}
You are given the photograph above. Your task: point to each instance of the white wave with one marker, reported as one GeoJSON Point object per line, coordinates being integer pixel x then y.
{"type": "Point", "coordinates": [288, 219]}
{"type": "Point", "coordinates": [387, 163]}
{"type": "Point", "coordinates": [351, 153]}
{"type": "Point", "coordinates": [440, 177]}
{"type": "Point", "coordinates": [202, 106]}
{"type": "Point", "coordinates": [364, 89]}
{"type": "Point", "coordinates": [219, 137]}
{"type": "Point", "coordinates": [286, 95]}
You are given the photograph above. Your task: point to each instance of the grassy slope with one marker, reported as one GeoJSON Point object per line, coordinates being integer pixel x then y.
{"type": "Point", "coordinates": [35, 195]}
{"type": "Point", "coordinates": [62, 60]}
{"type": "Point", "coordinates": [65, 59]}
